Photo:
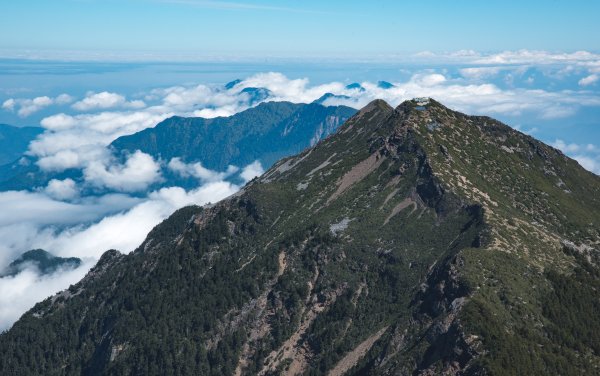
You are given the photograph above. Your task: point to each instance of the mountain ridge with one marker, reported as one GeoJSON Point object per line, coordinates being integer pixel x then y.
{"type": "Point", "coordinates": [415, 240]}
{"type": "Point", "coordinates": [43, 261]}
{"type": "Point", "coordinates": [152, 137]}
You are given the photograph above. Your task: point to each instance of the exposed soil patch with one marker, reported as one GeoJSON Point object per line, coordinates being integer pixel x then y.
{"type": "Point", "coordinates": [357, 173]}
{"type": "Point", "coordinates": [352, 358]}
{"type": "Point", "coordinates": [401, 206]}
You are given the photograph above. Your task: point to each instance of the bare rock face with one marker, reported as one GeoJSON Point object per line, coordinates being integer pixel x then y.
{"type": "Point", "coordinates": [413, 241]}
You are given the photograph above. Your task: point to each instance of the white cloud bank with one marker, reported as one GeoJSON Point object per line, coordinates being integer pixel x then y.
{"type": "Point", "coordinates": [30, 106]}
{"type": "Point", "coordinates": [19, 293]}
{"type": "Point", "coordinates": [136, 174]}
{"type": "Point", "coordinates": [589, 80]}
{"type": "Point", "coordinates": [104, 100]}
{"type": "Point", "coordinates": [62, 189]}
{"type": "Point", "coordinates": [198, 171]}
{"type": "Point", "coordinates": [78, 141]}
{"type": "Point", "coordinates": [518, 57]}
{"type": "Point", "coordinates": [251, 171]}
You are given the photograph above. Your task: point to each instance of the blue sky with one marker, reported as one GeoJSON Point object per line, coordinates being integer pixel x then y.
{"type": "Point", "coordinates": [298, 28]}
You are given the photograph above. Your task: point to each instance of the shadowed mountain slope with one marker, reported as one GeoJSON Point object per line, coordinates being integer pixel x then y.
{"type": "Point", "coordinates": [15, 140]}
{"type": "Point", "coordinates": [267, 132]}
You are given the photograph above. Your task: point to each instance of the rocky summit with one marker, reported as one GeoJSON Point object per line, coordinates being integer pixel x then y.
{"type": "Point", "coordinates": [413, 241]}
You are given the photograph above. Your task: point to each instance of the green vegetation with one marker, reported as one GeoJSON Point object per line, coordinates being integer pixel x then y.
{"type": "Point", "coordinates": [45, 262]}
{"type": "Point", "coordinates": [392, 247]}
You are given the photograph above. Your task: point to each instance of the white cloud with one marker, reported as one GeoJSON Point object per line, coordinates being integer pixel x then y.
{"type": "Point", "coordinates": [63, 99]}
{"type": "Point", "coordinates": [139, 171]}
{"type": "Point", "coordinates": [28, 107]}
{"type": "Point", "coordinates": [126, 230]}
{"type": "Point", "coordinates": [21, 292]}
{"type": "Point", "coordinates": [479, 73]}
{"type": "Point", "coordinates": [36, 207]}
{"type": "Point", "coordinates": [211, 192]}
{"type": "Point", "coordinates": [251, 171]}
{"type": "Point", "coordinates": [198, 171]}
{"type": "Point", "coordinates": [589, 163]}
{"type": "Point", "coordinates": [82, 226]}
{"type": "Point", "coordinates": [529, 131]}
{"type": "Point", "coordinates": [588, 155]}
{"type": "Point", "coordinates": [75, 141]}
{"type": "Point", "coordinates": [205, 175]}
{"type": "Point", "coordinates": [558, 112]}
{"type": "Point", "coordinates": [9, 104]}
{"type": "Point", "coordinates": [428, 80]}
{"type": "Point", "coordinates": [60, 161]}
{"type": "Point", "coordinates": [537, 57]}
{"type": "Point", "coordinates": [181, 97]}
{"type": "Point", "coordinates": [105, 100]}
{"type": "Point", "coordinates": [589, 80]}
{"type": "Point", "coordinates": [592, 66]}
{"type": "Point", "coordinates": [566, 148]}
{"type": "Point", "coordinates": [565, 63]}
{"type": "Point", "coordinates": [210, 113]}
{"type": "Point", "coordinates": [62, 189]}
{"type": "Point", "coordinates": [58, 122]}
{"type": "Point", "coordinates": [476, 98]}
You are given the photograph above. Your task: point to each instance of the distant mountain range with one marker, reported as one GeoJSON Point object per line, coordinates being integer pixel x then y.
{"type": "Point", "coordinates": [415, 240]}
{"type": "Point", "coordinates": [355, 86]}
{"type": "Point", "coordinates": [15, 140]}
{"type": "Point", "coordinates": [44, 262]}
{"type": "Point", "coordinates": [266, 133]}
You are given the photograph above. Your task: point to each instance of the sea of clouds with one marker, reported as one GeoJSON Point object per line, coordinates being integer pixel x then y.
{"type": "Point", "coordinates": [63, 220]}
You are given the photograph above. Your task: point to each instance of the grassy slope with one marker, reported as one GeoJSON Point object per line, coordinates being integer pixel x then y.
{"type": "Point", "coordinates": [436, 234]}
{"type": "Point", "coordinates": [535, 199]}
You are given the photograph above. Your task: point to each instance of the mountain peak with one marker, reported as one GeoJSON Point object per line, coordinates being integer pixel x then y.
{"type": "Point", "coordinates": [385, 85]}
{"type": "Point", "coordinates": [44, 261]}
{"type": "Point", "coordinates": [376, 105]}
{"type": "Point", "coordinates": [420, 104]}
{"type": "Point", "coordinates": [412, 241]}
{"type": "Point", "coordinates": [355, 86]}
